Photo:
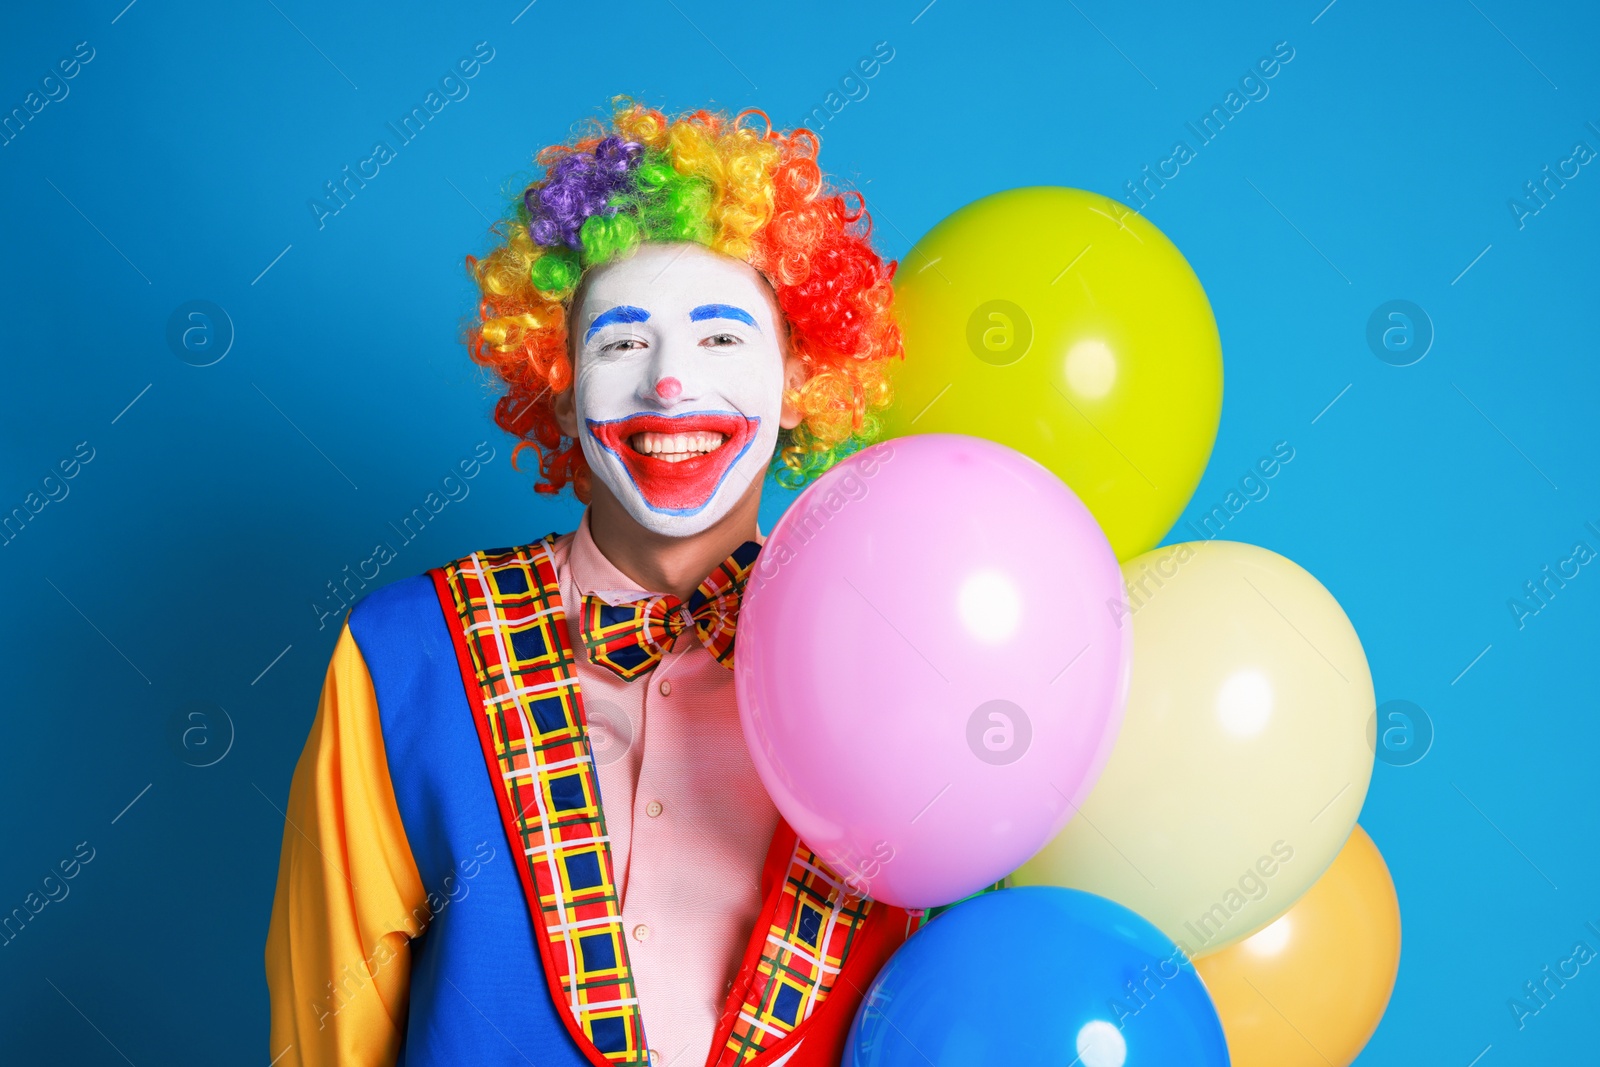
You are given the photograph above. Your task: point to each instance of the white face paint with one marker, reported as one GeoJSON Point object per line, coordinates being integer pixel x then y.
{"type": "Point", "coordinates": [679, 390]}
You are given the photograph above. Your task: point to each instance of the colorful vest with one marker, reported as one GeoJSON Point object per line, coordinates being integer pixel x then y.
{"type": "Point", "coordinates": [549, 972]}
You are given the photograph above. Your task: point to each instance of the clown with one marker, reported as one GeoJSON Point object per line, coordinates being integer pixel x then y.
{"type": "Point", "coordinates": [525, 827]}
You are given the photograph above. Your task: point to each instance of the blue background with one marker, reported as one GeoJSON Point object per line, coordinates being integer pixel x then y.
{"type": "Point", "coordinates": [179, 571]}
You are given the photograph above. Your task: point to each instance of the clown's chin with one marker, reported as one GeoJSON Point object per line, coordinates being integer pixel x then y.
{"type": "Point", "coordinates": [675, 467]}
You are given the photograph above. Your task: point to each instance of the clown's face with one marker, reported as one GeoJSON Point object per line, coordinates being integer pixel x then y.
{"type": "Point", "coordinates": [681, 363]}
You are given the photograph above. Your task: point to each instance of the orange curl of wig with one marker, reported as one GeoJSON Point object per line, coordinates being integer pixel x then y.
{"type": "Point", "coordinates": [734, 185]}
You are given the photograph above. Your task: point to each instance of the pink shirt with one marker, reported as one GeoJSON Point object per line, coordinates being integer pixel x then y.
{"type": "Point", "coordinates": [688, 819]}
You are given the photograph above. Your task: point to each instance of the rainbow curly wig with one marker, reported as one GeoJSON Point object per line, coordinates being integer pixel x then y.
{"type": "Point", "coordinates": [739, 188]}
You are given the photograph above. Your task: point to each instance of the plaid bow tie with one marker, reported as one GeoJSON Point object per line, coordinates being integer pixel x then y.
{"type": "Point", "coordinates": [630, 639]}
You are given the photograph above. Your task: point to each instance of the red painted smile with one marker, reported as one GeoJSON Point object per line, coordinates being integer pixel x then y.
{"type": "Point", "coordinates": [677, 462]}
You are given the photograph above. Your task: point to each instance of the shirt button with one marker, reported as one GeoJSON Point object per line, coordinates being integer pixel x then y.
{"type": "Point", "coordinates": [653, 808]}
{"type": "Point", "coordinates": [641, 932]}
{"type": "Point", "coordinates": [666, 688]}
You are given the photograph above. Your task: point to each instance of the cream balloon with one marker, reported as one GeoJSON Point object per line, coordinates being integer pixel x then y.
{"type": "Point", "coordinates": [1245, 752]}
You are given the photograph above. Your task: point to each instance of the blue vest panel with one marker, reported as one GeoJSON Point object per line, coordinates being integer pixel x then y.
{"type": "Point", "coordinates": [478, 989]}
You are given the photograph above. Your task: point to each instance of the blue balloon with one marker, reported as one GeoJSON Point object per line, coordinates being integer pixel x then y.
{"type": "Point", "coordinates": [1037, 975]}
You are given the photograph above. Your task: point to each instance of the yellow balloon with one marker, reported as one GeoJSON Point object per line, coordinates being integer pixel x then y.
{"type": "Point", "coordinates": [1244, 755]}
{"type": "Point", "coordinates": [1309, 990]}
{"type": "Point", "coordinates": [1060, 323]}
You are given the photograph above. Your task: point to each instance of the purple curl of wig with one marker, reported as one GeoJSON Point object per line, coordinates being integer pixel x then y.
{"type": "Point", "coordinates": [578, 186]}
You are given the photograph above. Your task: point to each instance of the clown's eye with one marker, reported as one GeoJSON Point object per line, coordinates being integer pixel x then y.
{"type": "Point", "coordinates": [720, 340]}
{"type": "Point", "coordinates": [626, 345]}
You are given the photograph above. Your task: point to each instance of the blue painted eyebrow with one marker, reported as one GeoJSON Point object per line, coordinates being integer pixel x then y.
{"type": "Point", "coordinates": [620, 313]}
{"type": "Point", "coordinates": [722, 311]}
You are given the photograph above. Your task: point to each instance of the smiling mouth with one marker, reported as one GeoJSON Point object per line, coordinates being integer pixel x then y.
{"type": "Point", "coordinates": [677, 462]}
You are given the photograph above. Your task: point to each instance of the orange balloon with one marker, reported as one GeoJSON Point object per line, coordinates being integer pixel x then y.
{"type": "Point", "coordinates": [1310, 988]}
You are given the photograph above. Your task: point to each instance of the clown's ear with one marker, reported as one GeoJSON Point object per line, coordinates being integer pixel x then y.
{"type": "Point", "coordinates": [794, 378]}
{"type": "Point", "coordinates": [564, 406]}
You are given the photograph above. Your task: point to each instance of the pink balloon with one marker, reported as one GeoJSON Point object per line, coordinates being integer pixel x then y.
{"type": "Point", "coordinates": [929, 666]}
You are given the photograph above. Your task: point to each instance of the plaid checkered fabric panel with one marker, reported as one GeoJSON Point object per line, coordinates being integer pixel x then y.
{"type": "Point", "coordinates": [509, 607]}
{"type": "Point", "coordinates": [630, 639]}
{"type": "Point", "coordinates": [816, 920]}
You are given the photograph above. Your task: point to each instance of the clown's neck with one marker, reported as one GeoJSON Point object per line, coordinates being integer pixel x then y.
{"type": "Point", "coordinates": [665, 564]}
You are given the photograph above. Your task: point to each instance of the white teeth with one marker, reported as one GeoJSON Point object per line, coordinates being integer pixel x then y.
{"type": "Point", "coordinates": [677, 447]}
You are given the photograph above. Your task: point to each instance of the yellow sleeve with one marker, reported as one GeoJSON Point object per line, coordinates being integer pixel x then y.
{"type": "Point", "coordinates": [349, 895]}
